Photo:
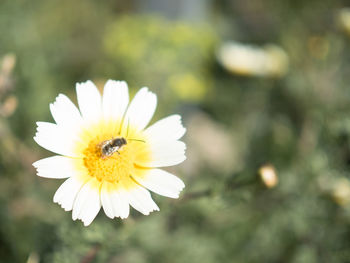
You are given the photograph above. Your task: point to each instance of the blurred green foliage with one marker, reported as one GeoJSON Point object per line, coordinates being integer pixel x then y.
{"type": "Point", "coordinates": [299, 124]}
{"type": "Point", "coordinates": [176, 55]}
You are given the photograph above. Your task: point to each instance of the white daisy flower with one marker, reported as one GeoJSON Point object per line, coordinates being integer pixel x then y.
{"type": "Point", "coordinates": [106, 153]}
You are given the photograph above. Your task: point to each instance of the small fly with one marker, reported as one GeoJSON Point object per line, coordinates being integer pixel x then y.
{"type": "Point", "coordinates": [109, 147]}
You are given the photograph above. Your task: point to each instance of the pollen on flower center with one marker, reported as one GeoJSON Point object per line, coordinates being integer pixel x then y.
{"type": "Point", "coordinates": [112, 168]}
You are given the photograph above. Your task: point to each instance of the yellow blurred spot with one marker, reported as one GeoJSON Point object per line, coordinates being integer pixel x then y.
{"type": "Point", "coordinates": [341, 191]}
{"type": "Point", "coordinates": [9, 106]}
{"type": "Point", "coordinates": [268, 176]}
{"type": "Point", "coordinates": [33, 258]}
{"type": "Point", "coordinates": [248, 60]}
{"type": "Point", "coordinates": [344, 19]}
{"type": "Point", "coordinates": [187, 87]}
{"type": "Point", "coordinates": [8, 63]}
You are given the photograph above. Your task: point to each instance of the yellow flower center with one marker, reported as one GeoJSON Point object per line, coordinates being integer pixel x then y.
{"type": "Point", "coordinates": [110, 168]}
{"type": "Point", "coordinates": [118, 167]}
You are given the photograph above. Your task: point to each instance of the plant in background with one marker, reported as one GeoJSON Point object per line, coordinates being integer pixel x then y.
{"type": "Point", "coordinates": [107, 154]}
{"type": "Point", "coordinates": [175, 55]}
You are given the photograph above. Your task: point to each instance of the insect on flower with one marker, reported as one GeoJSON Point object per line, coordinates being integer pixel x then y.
{"type": "Point", "coordinates": [110, 158]}
{"type": "Point", "coordinates": [111, 146]}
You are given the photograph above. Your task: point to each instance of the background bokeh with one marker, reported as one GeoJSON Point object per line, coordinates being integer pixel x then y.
{"type": "Point", "coordinates": [264, 90]}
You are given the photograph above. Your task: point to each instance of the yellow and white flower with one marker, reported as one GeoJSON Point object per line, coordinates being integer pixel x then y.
{"type": "Point", "coordinates": [121, 178]}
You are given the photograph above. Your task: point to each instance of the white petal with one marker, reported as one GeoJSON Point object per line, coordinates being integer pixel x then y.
{"type": "Point", "coordinates": [65, 113]}
{"type": "Point", "coordinates": [87, 204]}
{"type": "Point", "coordinates": [120, 204]}
{"type": "Point", "coordinates": [55, 167]}
{"type": "Point", "coordinates": [164, 154]}
{"type": "Point", "coordinates": [140, 199]}
{"type": "Point", "coordinates": [56, 139]}
{"type": "Point", "coordinates": [160, 182]}
{"type": "Point", "coordinates": [106, 199]}
{"type": "Point", "coordinates": [67, 192]}
{"type": "Point", "coordinates": [89, 100]}
{"type": "Point", "coordinates": [141, 109]}
{"type": "Point", "coordinates": [167, 129]}
{"type": "Point", "coordinates": [114, 201]}
{"type": "Point", "coordinates": [115, 99]}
